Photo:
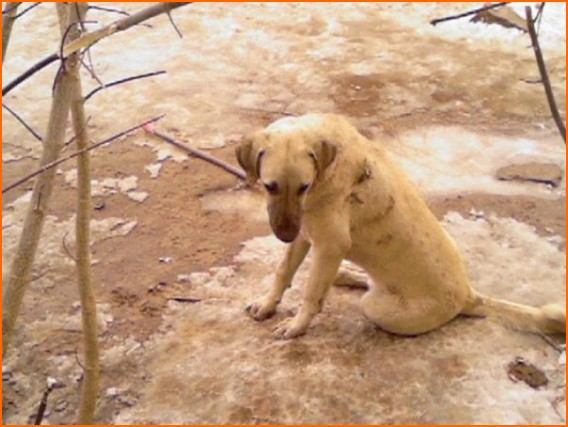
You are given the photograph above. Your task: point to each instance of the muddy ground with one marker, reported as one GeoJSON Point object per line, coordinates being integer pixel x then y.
{"type": "Point", "coordinates": [455, 103]}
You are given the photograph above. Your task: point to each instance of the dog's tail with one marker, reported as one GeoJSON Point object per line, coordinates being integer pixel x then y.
{"type": "Point", "coordinates": [546, 319]}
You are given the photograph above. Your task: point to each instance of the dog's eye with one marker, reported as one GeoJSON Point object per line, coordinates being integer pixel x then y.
{"type": "Point", "coordinates": [271, 187]}
{"type": "Point", "coordinates": [303, 188]}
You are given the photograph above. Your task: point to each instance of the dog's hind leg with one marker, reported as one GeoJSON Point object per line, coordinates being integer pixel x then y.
{"type": "Point", "coordinates": [266, 307]}
{"type": "Point", "coordinates": [407, 316]}
{"type": "Point", "coordinates": [351, 276]}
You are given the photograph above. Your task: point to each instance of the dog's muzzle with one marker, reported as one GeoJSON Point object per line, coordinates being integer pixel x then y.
{"type": "Point", "coordinates": [285, 230]}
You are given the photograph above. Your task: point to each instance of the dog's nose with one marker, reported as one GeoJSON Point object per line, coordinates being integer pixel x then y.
{"type": "Point", "coordinates": [287, 234]}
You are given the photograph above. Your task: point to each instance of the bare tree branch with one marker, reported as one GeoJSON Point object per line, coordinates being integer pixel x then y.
{"type": "Point", "coordinates": [26, 10]}
{"type": "Point", "coordinates": [117, 82]}
{"type": "Point", "coordinates": [89, 39]}
{"type": "Point", "coordinates": [544, 75]}
{"type": "Point", "coordinates": [93, 37]}
{"type": "Point", "coordinates": [57, 162]}
{"type": "Point", "coordinates": [197, 153]}
{"type": "Point", "coordinates": [29, 72]}
{"type": "Point", "coordinates": [23, 122]}
{"type": "Point", "coordinates": [471, 12]}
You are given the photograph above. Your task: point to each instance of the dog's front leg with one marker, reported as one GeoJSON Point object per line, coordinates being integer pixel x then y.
{"type": "Point", "coordinates": [326, 262]}
{"type": "Point", "coordinates": [295, 254]}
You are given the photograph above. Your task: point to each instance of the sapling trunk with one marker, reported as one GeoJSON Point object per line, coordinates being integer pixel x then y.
{"type": "Point", "coordinates": [8, 17]}
{"type": "Point", "coordinates": [68, 15]}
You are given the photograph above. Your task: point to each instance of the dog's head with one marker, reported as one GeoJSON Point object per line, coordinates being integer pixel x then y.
{"type": "Point", "coordinates": [288, 164]}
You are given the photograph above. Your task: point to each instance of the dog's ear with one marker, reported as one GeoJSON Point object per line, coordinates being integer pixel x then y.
{"type": "Point", "coordinates": [324, 153]}
{"type": "Point", "coordinates": [249, 154]}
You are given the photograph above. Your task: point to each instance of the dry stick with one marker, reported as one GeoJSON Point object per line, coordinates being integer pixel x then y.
{"type": "Point", "coordinates": [43, 405]}
{"type": "Point", "coordinates": [471, 12]}
{"type": "Point", "coordinates": [117, 82]}
{"type": "Point", "coordinates": [88, 400]}
{"type": "Point", "coordinates": [544, 75]}
{"type": "Point", "coordinates": [197, 153]}
{"type": "Point", "coordinates": [23, 122]}
{"type": "Point", "coordinates": [93, 37]}
{"type": "Point", "coordinates": [8, 18]}
{"type": "Point", "coordinates": [77, 153]}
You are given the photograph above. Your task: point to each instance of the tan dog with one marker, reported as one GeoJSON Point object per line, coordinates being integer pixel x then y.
{"type": "Point", "coordinates": [330, 189]}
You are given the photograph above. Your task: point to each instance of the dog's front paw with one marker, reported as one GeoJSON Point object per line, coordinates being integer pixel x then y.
{"type": "Point", "coordinates": [261, 310]}
{"type": "Point", "coordinates": [290, 328]}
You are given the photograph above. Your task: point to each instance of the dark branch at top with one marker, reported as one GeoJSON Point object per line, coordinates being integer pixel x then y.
{"type": "Point", "coordinates": [471, 12]}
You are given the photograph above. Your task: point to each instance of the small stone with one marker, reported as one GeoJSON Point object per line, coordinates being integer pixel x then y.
{"type": "Point", "coordinates": [543, 173]}
{"type": "Point", "coordinates": [61, 406]}
{"type": "Point", "coordinates": [476, 214]}
{"type": "Point", "coordinates": [6, 373]}
{"type": "Point", "coordinates": [184, 278]}
{"type": "Point", "coordinates": [127, 401]}
{"type": "Point", "coordinates": [138, 196]}
{"type": "Point", "coordinates": [111, 392]}
{"type": "Point", "coordinates": [51, 382]}
{"type": "Point", "coordinates": [154, 169]}
{"type": "Point", "coordinates": [99, 206]}
{"type": "Point", "coordinates": [166, 259]}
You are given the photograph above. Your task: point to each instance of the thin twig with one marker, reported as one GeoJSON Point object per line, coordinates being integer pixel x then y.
{"type": "Point", "coordinates": [120, 12]}
{"type": "Point", "coordinates": [23, 122]}
{"type": "Point", "coordinates": [78, 360]}
{"type": "Point", "coordinates": [117, 82]}
{"type": "Point", "coordinates": [544, 75]}
{"type": "Point", "coordinates": [90, 69]}
{"type": "Point", "coordinates": [551, 343]}
{"type": "Point", "coordinates": [282, 112]}
{"type": "Point", "coordinates": [174, 25]}
{"type": "Point", "coordinates": [109, 9]}
{"type": "Point", "coordinates": [538, 17]}
{"type": "Point", "coordinates": [30, 72]}
{"type": "Point", "coordinates": [65, 248]}
{"type": "Point", "coordinates": [471, 12]}
{"type": "Point", "coordinates": [197, 153]}
{"type": "Point", "coordinates": [75, 154]}
{"type": "Point", "coordinates": [23, 12]}
{"type": "Point", "coordinates": [74, 137]}
{"type": "Point", "coordinates": [185, 299]}
{"type": "Point", "coordinates": [62, 45]}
